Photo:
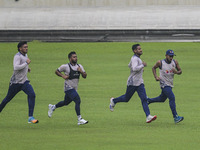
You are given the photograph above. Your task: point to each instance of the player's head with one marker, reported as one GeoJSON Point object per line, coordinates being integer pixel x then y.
{"type": "Point", "coordinates": [137, 49]}
{"type": "Point", "coordinates": [22, 47]}
{"type": "Point", "coordinates": [169, 55]}
{"type": "Point", "coordinates": [72, 57]}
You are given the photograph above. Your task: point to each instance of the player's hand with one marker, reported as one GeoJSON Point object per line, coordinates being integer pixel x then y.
{"type": "Point", "coordinates": [28, 61]}
{"type": "Point", "coordinates": [174, 70]}
{"type": "Point", "coordinates": [157, 78]}
{"type": "Point", "coordinates": [79, 69]}
{"type": "Point", "coordinates": [29, 69]}
{"type": "Point", "coordinates": [65, 77]}
{"type": "Point", "coordinates": [145, 64]}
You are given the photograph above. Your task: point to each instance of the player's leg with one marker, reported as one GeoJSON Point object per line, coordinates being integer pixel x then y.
{"type": "Point", "coordinates": [130, 90]}
{"type": "Point", "coordinates": [28, 89]}
{"type": "Point", "coordinates": [12, 91]}
{"type": "Point", "coordinates": [73, 95]}
{"type": "Point", "coordinates": [66, 101]}
{"type": "Point", "coordinates": [161, 98]}
{"type": "Point", "coordinates": [60, 104]}
{"type": "Point", "coordinates": [142, 94]}
{"type": "Point", "coordinates": [168, 91]}
{"type": "Point", "coordinates": [76, 98]}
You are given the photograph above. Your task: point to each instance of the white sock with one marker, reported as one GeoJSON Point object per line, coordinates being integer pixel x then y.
{"type": "Point", "coordinates": [79, 117]}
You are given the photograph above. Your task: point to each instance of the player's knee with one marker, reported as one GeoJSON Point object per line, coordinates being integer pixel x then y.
{"type": "Point", "coordinates": [7, 99]}
{"type": "Point", "coordinates": [66, 103]}
{"type": "Point", "coordinates": [127, 99]}
{"type": "Point", "coordinates": [163, 100]}
{"type": "Point", "coordinates": [172, 98]}
{"type": "Point", "coordinates": [144, 101]}
{"type": "Point", "coordinates": [78, 101]}
{"type": "Point", "coordinates": [143, 98]}
{"type": "Point", "coordinates": [32, 95]}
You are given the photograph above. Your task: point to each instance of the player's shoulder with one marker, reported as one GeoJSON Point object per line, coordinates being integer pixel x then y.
{"type": "Point", "coordinates": [175, 61]}
{"type": "Point", "coordinates": [134, 57]}
{"type": "Point", "coordinates": [80, 65]}
{"type": "Point", "coordinates": [18, 54]}
{"type": "Point", "coordinates": [64, 66]}
{"type": "Point", "coordinates": [160, 61]}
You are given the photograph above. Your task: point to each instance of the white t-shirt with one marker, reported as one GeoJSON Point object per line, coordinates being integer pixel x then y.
{"type": "Point", "coordinates": [73, 83]}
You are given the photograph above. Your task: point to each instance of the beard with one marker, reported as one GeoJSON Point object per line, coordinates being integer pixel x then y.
{"type": "Point", "coordinates": [139, 54]}
{"type": "Point", "coordinates": [74, 61]}
{"type": "Point", "coordinates": [169, 61]}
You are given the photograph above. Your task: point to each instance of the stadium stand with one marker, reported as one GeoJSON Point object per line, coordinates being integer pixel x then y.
{"type": "Point", "coordinates": [99, 20]}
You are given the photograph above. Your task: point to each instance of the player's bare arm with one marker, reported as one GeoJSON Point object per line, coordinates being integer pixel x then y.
{"type": "Point", "coordinates": [178, 70]}
{"type": "Point", "coordinates": [58, 73]}
{"type": "Point", "coordinates": [158, 64]}
{"type": "Point", "coordinates": [84, 74]}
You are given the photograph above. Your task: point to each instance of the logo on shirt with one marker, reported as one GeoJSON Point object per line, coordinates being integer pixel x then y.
{"type": "Point", "coordinates": [168, 71]}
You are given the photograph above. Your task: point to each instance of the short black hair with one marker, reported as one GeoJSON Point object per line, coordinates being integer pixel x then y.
{"type": "Point", "coordinates": [134, 47]}
{"type": "Point", "coordinates": [71, 53]}
{"type": "Point", "coordinates": [20, 44]}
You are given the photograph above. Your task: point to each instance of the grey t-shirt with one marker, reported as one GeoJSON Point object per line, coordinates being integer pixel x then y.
{"type": "Point", "coordinates": [20, 69]}
{"type": "Point", "coordinates": [73, 83]}
{"type": "Point", "coordinates": [166, 73]}
{"type": "Point", "coordinates": [136, 71]}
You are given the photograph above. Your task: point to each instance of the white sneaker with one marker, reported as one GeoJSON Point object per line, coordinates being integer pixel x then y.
{"type": "Point", "coordinates": [150, 118]}
{"type": "Point", "coordinates": [82, 121]}
{"type": "Point", "coordinates": [51, 109]}
{"type": "Point", "coordinates": [112, 104]}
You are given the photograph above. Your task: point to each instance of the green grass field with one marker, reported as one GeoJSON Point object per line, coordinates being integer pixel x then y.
{"type": "Point", "coordinates": [107, 67]}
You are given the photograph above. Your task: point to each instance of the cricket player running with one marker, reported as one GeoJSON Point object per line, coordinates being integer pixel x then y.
{"type": "Point", "coordinates": [135, 83]}
{"type": "Point", "coordinates": [168, 67]}
{"type": "Point", "coordinates": [71, 76]}
{"type": "Point", "coordinates": [19, 80]}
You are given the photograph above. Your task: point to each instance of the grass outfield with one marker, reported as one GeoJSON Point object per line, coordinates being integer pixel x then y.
{"type": "Point", "coordinates": [106, 66]}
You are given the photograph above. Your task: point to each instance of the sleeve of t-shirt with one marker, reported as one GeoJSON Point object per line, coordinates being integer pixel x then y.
{"type": "Point", "coordinates": [16, 63]}
{"type": "Point", "coordinates": [82, 67]}
{"type": "Point", "coordinates": [64, 68]}
{"type": "Point", "coordinates": [135, 66]}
